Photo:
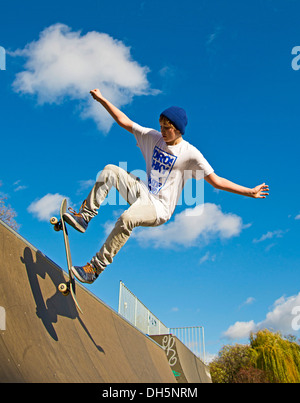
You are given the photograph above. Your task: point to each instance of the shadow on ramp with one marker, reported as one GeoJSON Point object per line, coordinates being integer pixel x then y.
{"type": "Point", "coordinates": [45, 338]}
{"type": "Point", "coordinates": [56, 305]}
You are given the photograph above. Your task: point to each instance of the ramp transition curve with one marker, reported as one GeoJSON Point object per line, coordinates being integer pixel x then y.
{"type": "Point", "coordinates": [45, 339]}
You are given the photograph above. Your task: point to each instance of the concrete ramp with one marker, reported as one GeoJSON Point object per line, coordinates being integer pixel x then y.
{"type": "Point", "coordinates": [44, 339]}
{"type": "Point", "coordinates": [186, 367]}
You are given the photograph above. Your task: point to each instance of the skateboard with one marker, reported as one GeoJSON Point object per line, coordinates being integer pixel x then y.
{"type": "Point", "coordinates": [60, 225]}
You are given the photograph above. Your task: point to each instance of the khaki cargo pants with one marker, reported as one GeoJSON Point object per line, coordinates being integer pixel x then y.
{"type": "Point", "coordinates": [140, 213]}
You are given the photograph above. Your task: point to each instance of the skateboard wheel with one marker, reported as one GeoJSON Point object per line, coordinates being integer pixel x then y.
{"type": "Point", "coordinates": [57, 227]}
{"type": "Point", "coordinates": [63, 288]}
{"type": "Point", "coordinates": [53, 220]}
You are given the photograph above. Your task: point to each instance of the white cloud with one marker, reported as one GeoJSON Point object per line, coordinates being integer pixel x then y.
{"type": "Point", "coordinates": [66, 64]}
{"type": "Point", "coordinates": [212, 37]}
{"type": "Point", "coordinates": [85, 185]}
{"type": "Point", "coordinates": [207, 257]}
{"type": "Point", "coordinates": [210, 357]}
{"type": "Point", "coordinates": [108, 226]}
{"type": "Point", "coordinates": [269, 235]}
{"type": "Point", "coordinates": [240, 330]}
{"type": "Point", "coordinates": [46, 207]}
{"type": "Point", "coordinates": [21, 187]}
{"type": "Point", "coordinates": [193, 227]}
{"type": "Point", "coordinates": [281, 318]}
{"type": "Point", "coordinates": [18, 186]}
{"type": "Point", "coordinates": [249, 301]}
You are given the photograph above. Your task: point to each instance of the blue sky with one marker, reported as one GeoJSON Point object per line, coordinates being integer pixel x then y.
{"type": "Point", "coordinates": [229, 64]}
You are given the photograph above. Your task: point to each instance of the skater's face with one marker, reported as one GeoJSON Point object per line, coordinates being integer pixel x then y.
{"type": "Point", "coordinates": [171, 135]}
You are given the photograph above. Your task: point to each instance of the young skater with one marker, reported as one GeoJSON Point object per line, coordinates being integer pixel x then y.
{"type": "Point", "coordinates": [168, 159]}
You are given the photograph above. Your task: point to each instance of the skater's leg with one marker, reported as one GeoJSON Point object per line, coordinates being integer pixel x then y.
{"type": "Point", "coordinates": [141, 213]}
{"type": "Point", "coordinates": [127, 185]}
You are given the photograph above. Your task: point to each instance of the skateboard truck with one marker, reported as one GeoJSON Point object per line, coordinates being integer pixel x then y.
{"type": "Point", "coordinates": [57, 224]}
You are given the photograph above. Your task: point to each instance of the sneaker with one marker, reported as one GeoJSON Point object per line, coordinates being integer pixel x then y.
{"type": "Point", "coordinates": [85, 274]}
{"type": "Point", "coordinates": [75, 219]}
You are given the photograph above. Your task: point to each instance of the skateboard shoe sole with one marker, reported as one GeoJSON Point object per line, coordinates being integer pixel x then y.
{"type": "Point", "coordinates": [74, 223]}
{"type": "Point", "coordinates": [78, 276]}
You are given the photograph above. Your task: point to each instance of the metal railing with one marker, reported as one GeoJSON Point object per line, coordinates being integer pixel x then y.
{"type": "Point", "coordinates": [193, 338]}
{"type": "Point", "coordinates": [132, 309]}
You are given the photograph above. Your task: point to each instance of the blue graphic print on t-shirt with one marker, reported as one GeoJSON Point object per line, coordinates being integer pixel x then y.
{"type": "Point", "coordinates": [162, 165]}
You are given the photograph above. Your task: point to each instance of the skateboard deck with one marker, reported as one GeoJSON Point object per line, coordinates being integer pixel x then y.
{"type": "Point", "coordinates": [60, 225]}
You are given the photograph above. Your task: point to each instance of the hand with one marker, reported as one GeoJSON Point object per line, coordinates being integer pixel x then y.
{"type": "Point", "coordinates": [260, 191]}
{"type": "Point", "coordinates": [96, 94]}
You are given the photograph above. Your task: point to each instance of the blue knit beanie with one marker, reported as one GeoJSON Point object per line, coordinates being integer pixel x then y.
{"type": "Point", "coordinates": [177, 116]}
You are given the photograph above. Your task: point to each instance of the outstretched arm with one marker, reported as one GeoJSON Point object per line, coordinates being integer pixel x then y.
{"type": "Point", "coordinates": [118, 115]}
{"type": "Point", "coordinates": [258, 192]}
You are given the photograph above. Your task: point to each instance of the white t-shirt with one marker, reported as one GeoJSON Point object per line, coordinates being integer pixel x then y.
{"type": "Point", "coordinates": [168, 168]}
